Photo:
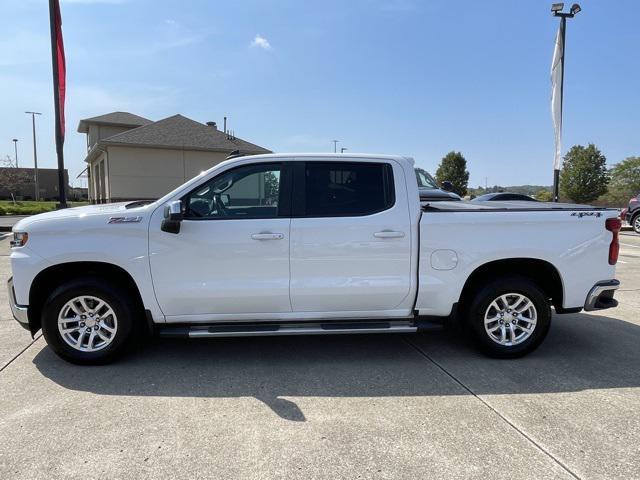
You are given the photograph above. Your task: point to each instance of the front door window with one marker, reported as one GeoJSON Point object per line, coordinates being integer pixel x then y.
{"type": "Point", "coordinates": [251, 191]}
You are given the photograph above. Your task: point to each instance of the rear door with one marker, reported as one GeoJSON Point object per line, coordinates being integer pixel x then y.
{"type": "Point", "coordinates": [350, 237]}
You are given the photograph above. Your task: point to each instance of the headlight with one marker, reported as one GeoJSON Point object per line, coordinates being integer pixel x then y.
{"type": "Point", "coordinates": [19, 239]}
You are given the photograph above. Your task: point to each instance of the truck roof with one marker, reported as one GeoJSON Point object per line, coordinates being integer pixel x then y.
{"type": "Point", "coordinates": [335, 156]}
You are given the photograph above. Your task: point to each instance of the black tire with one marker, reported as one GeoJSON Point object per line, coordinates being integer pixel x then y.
{"type": "Point", "coordinates": [479, 306]}
{"type": "Point", "coordinates": [635, 223]}
{"type": "Point", "coordinates": [121, 302]}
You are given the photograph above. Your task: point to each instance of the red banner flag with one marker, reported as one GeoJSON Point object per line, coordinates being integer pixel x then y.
{"type": "Point", "coordinates": [61, 70]}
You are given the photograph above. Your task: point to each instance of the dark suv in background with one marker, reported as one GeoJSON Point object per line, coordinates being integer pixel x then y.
{"type": "Point", "coordinates": [632, 215]}
{"type": "Point", "coordinates": [429, 190]}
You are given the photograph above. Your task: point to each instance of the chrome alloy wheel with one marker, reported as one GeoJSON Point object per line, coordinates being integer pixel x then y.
{"type": "Point", "coordinates": [636, 224]}
{"type": "Point", "coordinates": [87, 323]}
{"type": "Point", "coordinates": [510, 319]}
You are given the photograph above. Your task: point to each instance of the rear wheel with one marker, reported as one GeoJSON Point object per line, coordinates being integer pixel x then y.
{"type": "Point", "coordinates": [88, 321]}
{"type": "Point", "coordinates": [509, 317]}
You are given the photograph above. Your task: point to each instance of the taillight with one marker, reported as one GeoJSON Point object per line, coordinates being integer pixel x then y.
{"type": "Point", "coordinates": [613, 225]}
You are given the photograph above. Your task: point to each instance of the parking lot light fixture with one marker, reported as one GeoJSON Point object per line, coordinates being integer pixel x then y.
{"type": "Point", "coordinates": [556, 10]}
{"type": "Point", "coordinates": [15, 146]}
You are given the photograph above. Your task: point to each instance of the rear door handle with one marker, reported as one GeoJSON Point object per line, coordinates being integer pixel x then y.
{"type": "Point", "coordinates": [267, 236]}
{"type": "Point", "coordinates": [388, 234]}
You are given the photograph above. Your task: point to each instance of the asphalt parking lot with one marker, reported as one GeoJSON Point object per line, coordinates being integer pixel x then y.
{"type": "Point", "coordinates": [403, 406]}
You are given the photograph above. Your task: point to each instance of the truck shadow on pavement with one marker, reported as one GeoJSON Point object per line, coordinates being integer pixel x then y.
{"type": "Point", "coordinates": [581, 352]}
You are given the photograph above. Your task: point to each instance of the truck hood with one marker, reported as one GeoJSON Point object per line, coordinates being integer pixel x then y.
{"type": "Point", "coordinates": [107, 209]}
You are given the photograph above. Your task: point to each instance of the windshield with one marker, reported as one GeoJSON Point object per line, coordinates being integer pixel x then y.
{"type": "Point", "coordinates": [424, 179]}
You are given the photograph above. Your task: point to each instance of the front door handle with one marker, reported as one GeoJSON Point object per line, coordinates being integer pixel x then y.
{"type": "Point", "coordinates": [388, 234]}
{"type": "Point", "coordinates": [267, 236]}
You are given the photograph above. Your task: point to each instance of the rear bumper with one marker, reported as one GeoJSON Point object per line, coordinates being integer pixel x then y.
{"type": "Point", "coordinates": [601, 295]}
{"type": "Point", "coordinates": [20, 312]}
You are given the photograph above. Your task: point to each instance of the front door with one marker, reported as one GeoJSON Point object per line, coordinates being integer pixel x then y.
{"type": "Point", "coordinates": [350, 238]}
{"type": "Point", "coordinates": [231, 256]}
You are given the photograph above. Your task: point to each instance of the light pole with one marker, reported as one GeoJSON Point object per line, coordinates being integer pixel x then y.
{"type": "Point", "coordinates": [557, 97]}
{"type": "Point", "coordinates": [15, 146]}
{"type": "Point", "coordinates": [335, 145]}
{"type": "Point", "coordinates": [35, 152]}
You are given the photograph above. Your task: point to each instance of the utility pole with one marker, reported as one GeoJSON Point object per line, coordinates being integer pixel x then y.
{"type": "Point", "coordinates": [15, 146]}
{"type": "Point", "coordinates": [35, 152]}
{"type": "Point", "coordinates": [335, 146]}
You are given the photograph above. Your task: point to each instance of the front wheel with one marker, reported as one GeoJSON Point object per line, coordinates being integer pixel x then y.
{"type": "Point", "coordinates": [88, 321]}
{"type": "Point", "coordinates": [509, 317]}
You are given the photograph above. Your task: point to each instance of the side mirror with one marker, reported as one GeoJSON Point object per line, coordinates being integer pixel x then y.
{"type": "Point", "coordinates": [447, 186]}
{"type": "Point", "coordinates": [172, 217]}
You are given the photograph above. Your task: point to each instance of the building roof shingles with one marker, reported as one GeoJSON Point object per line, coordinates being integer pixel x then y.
{"type": "Point", "coordinates": [182, 132]}
{"type": "Point", "coordinates": [124, 119]}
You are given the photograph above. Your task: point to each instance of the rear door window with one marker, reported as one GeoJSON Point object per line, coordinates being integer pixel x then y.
{"type": "Point", "coordinates": [338, 189]}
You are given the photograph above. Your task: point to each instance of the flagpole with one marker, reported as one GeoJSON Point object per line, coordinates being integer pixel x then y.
{"type": "Point", "coordinates": [556, 172]}
{"type": "Point", "coordinates": [556, 10]}
{"type": "Point", "coordinates": [62, 191]}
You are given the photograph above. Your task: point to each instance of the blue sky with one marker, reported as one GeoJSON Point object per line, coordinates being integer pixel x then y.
{"type": "Point", "coordinates": [418, 78]}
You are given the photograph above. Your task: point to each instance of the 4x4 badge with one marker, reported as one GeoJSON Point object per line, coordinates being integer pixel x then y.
{"type": "Point", "coordinates": [586, 214]}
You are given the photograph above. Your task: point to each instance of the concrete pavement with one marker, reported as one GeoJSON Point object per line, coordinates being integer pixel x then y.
{"type": "Point", "coordinates": [8, 221]}
{"type": "Point", "coordinates": [412, 406]}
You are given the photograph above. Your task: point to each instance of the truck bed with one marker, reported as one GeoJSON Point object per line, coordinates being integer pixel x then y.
{"type": "Point", "coordinates": [514, 206]}
{"type": "Point", "coordinates": [453, 244]}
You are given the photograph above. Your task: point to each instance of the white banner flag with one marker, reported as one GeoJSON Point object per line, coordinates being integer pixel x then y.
{"type": "Point", "coordinates": [556, 94]}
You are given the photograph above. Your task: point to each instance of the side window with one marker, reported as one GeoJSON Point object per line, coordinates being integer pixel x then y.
{"type": "Point", "coordinates": [347, 189]}
{"type": "Point", "coordinates": [250, 191]}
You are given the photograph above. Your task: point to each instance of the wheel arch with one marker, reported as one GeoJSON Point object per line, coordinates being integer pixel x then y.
{"type": "Point", "coordinates": [542, 272]}
{"type": "Point", "coordinates": [51, 277]}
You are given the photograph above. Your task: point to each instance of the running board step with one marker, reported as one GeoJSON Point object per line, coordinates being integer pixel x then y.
{"type": "Point", "coordinates": [287, 328]}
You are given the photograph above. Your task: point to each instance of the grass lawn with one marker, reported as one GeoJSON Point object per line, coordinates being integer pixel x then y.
{"type": "Point", "coordinates": [7, 207]}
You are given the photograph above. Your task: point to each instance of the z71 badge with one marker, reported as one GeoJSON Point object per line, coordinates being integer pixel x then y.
{"type": "Point", "coordinates": [125, 219]}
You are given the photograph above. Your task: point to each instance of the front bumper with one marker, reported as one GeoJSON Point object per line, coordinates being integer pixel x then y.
{"type": "Point", "coordinates": [601, 296]}
{"type": "Point", "coordinates": [20, 312]}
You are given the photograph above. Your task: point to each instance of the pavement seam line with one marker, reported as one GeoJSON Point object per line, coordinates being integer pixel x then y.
{"type": "Point", "coordinates": [20, 353]}
{"type": "Point", "coordinates": [493, 409]}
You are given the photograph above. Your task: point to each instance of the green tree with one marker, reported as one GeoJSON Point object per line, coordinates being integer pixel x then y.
{"type": "Point", "coordinates": [584, 175]}
{"type": "Point", "coordinates": [544, 196]}
{"type": "Point", "coordinates": [625, 181]}
{"type": "Point", "coordinates": [271, 188]}
{"type": "Point", "coordinates": [453, 168]}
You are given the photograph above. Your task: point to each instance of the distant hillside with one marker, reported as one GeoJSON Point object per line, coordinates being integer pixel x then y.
{"type": "Point", "coordinates": [531, 190]}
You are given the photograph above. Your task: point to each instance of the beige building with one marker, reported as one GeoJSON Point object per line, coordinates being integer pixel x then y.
{"type": "Point", "coordinates": [133, 158]}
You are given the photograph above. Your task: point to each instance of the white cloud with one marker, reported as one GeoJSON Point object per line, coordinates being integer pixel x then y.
{"type": "Point", "coordinates": [261, 42]}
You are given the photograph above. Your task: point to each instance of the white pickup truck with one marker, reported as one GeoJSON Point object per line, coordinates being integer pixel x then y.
{"type": "Point", "coordinates": [307, 244]}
